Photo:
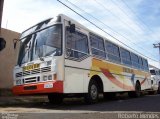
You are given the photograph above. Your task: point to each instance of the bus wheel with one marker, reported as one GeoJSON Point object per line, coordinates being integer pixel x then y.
{"type": "Point", "coordinates": [137, 92]}
{"type": "Point", "coordinates": [93, 93]}
{"type": "Point", "coordinates": [55, 98]}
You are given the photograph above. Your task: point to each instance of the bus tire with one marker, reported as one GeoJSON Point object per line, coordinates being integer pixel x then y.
{"type": "Point", "coordinates": [55, 98]}
{"type": "Point", "coordinates": [93, 93]}
{"type": "Point", "coordinates": [137, 92]}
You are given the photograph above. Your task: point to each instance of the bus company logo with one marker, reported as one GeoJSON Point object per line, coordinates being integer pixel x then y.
{"type": "Point", "coordinates": [128, 70]}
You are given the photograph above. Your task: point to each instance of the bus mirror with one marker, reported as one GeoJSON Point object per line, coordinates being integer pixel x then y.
{"type": "Point", "coordinates": [15, 42]}
{"type": "Point", "coordinates": [2, 44]}
{"type": "Point", "coordinates": [72, 28]}
{"type": "Point", "coordinates": [68, 52]}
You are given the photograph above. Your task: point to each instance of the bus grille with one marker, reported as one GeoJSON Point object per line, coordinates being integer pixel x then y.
{"type": "Point", "coordinates": [34, 71]}
{"type": "Point", "coordinates": [30, 80]}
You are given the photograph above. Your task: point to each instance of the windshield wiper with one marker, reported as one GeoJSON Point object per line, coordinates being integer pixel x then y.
{"type": "Point", "coordinates": [51, 53]}
{"type": "Point", "coordinates": [40, 57]}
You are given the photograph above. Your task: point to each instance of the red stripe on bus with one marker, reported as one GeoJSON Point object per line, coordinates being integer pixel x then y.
{"type": "Point", "coordinates": [57, 88]}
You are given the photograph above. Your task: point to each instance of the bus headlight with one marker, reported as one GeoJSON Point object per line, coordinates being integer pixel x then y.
{"type": "Point", "coordinates": [18, 82]}
{"type": "Point", "coordinates": [45, 78]}
{"type": "Point", "coordinates": [50, 77]}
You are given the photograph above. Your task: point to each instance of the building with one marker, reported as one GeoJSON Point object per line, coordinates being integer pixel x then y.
{"type": "Point", "coordinates": [8, 56]}
{"type": "Point", "coordinates": [1, 10]}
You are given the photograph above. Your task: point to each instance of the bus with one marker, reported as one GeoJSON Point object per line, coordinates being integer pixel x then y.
{"type": "Point", "coordinates": [155, 80]}
{"type": "Point", "coordinates": [59, 57]}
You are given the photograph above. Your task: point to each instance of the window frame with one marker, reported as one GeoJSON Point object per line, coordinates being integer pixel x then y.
{"type": "Point", "coordinates": [95, 48]}
{"type": "Point", "coordinates": [112, 54]}
{"type": "Point", "coordinates": [133, 61]}
{"type": "Point", "coordinates": [125, 59]}
{"type": "Point", "coordinates": [75, 50]}
{"type": "Point", "coordinates": [145, 64]}
{"type": "Point", "coordinates": [141, 63]}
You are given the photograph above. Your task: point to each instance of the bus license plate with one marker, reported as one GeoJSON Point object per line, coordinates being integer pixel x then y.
{"type": "Point", "coordinates": [48, 85]}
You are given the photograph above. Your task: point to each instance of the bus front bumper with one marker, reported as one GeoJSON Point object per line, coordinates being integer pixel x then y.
{"type": "Point", "coordinates": [39, 88]}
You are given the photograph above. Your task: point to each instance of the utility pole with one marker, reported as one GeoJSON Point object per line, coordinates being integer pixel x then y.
{"type": "Point", "coordinates": [1, 11]}
{"type": "Point", "coordinates": [157, 46]}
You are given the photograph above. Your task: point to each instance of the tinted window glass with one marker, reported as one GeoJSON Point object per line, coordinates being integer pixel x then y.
{"type": "Point", "coordinates": [112, 51]}
{"type": "Point", "coordinates": [145, 64]}
{"type": "Point", "coordinates": [97, 42]}
{"type": "Point", "coordinates": [140, 62]}
{"type": "Point", "coordinates": [77, 43]}
{"type": "Point", "coordinates": [97, 45]}
{"type": "Point", "coordinates": [153, 72]}
{"type": "Point", "coordinates": [125, 56]}
{"type": "Point", "coordinates": [135, 60]}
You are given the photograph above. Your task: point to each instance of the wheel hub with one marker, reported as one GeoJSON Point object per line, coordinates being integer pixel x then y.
{"type": "Point", "coordinates": [94, 92]}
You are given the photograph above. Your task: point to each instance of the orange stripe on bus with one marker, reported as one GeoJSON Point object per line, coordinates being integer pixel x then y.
{"type": "Point", "coordinates": [115, 81]}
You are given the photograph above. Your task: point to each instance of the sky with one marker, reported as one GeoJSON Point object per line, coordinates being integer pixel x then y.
{"type": "Point", "coordinates": [133, 22]}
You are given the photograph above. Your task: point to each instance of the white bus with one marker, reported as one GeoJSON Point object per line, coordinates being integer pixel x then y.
{"type": "Point", "coordinates": [155, 80]}
{"type": "Point", "coordinates": [60, 57]}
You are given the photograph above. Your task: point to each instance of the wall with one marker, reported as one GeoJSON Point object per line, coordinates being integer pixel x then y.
{"type": "Point", "coordinates": [8, 58]}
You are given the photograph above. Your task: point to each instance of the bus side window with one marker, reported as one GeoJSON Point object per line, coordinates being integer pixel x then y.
{"type": "Point", "coordinates": [156, 72]}
{"type": "Point", "coordinates": [112, 51]}
{"type": "Point", "coordinates": [77, 43]}
{"type": "Point", "coordinates": [135, 60]}
{"type": "Point", "coordinates": [145, 65]}
{"type": "Point", "coordinates": [97, 45]}
{"type": "Point", "coordinates": [125, 56]}
{"type": "Point", "coordinates": [141, 63]}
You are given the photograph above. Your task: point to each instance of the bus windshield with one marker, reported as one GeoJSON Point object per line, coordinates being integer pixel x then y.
{"type": "Point", "coordinates": [152, 72]}
{"type": "Point", "coordinates": [42, 43]}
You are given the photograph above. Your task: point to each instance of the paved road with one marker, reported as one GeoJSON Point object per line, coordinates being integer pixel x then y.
{"type": "Point", "coordinates": [121, 107]}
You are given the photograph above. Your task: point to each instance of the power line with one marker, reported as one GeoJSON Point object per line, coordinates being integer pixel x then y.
{"type": "Point", "coordinates": [123, 22]}
{"type": "Point", "coordinates": [118, 17]}
{"type": "Point", "coordinates": [135, 14]}
{"type": "Point", "coordinates": [144, 24]}
{"type": "Point", "coordinates": [103, 30]}
{"type": "Point", "coordinates": [91, 16]}
{"type": "Point", "coordinates": [125, 13]}
{"type": "Point", "coordinates": [115, 15]}
{"type": "Point", "coordinates": [105, 25]}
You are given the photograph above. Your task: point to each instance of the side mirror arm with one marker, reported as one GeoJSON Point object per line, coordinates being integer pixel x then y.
{"type": "Point", "coordinates": [15, 42]}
